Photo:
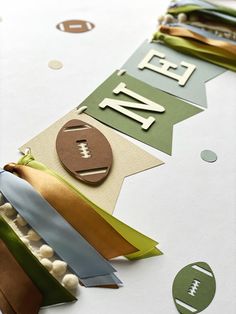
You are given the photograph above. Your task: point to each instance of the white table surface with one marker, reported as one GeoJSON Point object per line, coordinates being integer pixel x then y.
{"type": "Point", "coordinates": [188, 205]}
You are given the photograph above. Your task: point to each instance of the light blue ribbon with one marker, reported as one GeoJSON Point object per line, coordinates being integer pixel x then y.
{"type": "Point", "coordinates": [56, 231]}
{"type": "Point", "coordinates": [101, 280]}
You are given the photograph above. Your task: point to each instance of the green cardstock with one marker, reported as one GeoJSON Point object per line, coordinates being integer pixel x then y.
{"type": "Point", "coordinates": [159, 133]}
{"type": "Point", "coordinates": [194, 88]}
{"type": "Point", "coordinates": [194, 288]}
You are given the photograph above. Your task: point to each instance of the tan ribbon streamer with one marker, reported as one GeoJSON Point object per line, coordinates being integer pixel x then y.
{"type": "Point", "coordinates": [101, 235]}
{"type": "Point", "coordinates": [182, 32]}
{"type": "Point", "coordinates": [18, 293]}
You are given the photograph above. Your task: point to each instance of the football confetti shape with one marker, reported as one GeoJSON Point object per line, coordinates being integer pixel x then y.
{"type": "Point", "coordinates": [75, 26]}
{"type": "Point", "coordinates": [84, 151]}
{"type": "Point", "coordinates": [194, 288]}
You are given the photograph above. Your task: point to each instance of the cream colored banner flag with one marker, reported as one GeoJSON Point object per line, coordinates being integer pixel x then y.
{"type": "Point", "coordinates": [128, 159]}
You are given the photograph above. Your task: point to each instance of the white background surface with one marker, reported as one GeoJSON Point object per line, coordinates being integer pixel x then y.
{"type": "Point", "coordinates": [187, 205]}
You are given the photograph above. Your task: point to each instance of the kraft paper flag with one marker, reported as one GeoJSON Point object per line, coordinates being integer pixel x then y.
{"type": "Point", "coordinates": [128, 159]}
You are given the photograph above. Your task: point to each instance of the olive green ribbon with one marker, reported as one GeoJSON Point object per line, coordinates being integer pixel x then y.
{"type": "Point", "coordinates": [225, 47]}
{"type": "Point", "coordinates": [201, 50]}
{"type": "Point", "coordinates": [71, 247]}
{"type": "Point", "coordinates": [146, 246]}
{"type": "Point", "coordinates": [52, 291]}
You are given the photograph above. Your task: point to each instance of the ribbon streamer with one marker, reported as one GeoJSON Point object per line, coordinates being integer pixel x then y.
{"type": "Point", "coordinates": [200, 50]}
{"type": "Point", "coordinates": [188, 6]}
{"type": "Point", "coordinates": [197, 28]}
{"type": "Point", "coordinates": [68, 244]}
{"type": "Point", "coordinates": [102, 281]}
{"type": "Point", "coordinates": [79, 213]}
{"type": "Point", "coordinates": [52, 291]}
{"type": "Point", "coordinates": [181, 32]}
{"type": "Point", "coordinates": [145, 245]}
{"type": "Point", "coordinates": [5, 306]}
{"type": "Point", "coordinates": [18, 293]}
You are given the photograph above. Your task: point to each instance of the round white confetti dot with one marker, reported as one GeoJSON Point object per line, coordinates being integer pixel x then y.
{"type": "Point", "coordinates": [20, 221]}
{"type": "Point", "coordinates": [59, 267]}
{"type": "Point", "coordinates": [55, 64]}
{"type": "Point", "coordinates": [70, 281]}
{"type": "Point", "coordinates": [8, 209]}
{"type": "Point", "coordinates": [33, 236]}
{"type": "Point", "coordinates": [25, 241]}
{"type": "Point", "coordinates": [46, 251]}
{"type": "Point", "coordinates": [182, 18]}
{"type": "Point", "coordinates": [46, 263]}
{"type": "Point", "coordinates": [208, 155]}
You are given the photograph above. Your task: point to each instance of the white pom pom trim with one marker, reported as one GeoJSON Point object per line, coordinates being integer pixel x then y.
{"type": "Point", "coordinates": [20, 221]}
{"type": "Point", "coordinates": [70, 281]}
{"type": "Point", "coordinates": [46, 251]}
{"type": "Point", "coordinates": [59, 267]}
{"type": "Point", "coordinates": [33, 236]}
{"type": "Point", "coordinates": [46, 263]}
{"type": "Point", "coordinates": [8, 210]}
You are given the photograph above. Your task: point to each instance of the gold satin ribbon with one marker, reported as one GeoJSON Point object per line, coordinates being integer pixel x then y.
{"type": "Point", "coordinates": [197, 49]}
{"type": "Point", "coordinates": [146, 247]}
{"type": "Point", "coordinates": [100, 234]}
{"type": "Point", "coordinates": [18, 293]}
{"type": "Point", "coordinates": [183, 32]}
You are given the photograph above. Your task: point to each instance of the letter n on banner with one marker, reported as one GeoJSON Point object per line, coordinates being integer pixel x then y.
{"type": "Point", "coordinates": [138, 110]}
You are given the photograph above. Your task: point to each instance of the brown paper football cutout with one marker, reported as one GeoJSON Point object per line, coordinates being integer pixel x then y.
{"type": "Point", "coordinates": [75, 26]}
{"type": "Point", "coordinates": [84, 152]}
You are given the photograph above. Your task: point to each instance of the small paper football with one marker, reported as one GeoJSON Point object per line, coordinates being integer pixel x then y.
{"type": "Point", "coordinates": [75, 26]}
{"type": "Point", "coordinates": [84, 151]}
{"type": "Point", "coordinates": [194, 288]}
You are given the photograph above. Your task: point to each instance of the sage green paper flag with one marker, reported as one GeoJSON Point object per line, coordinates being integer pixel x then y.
{"type": "Point", "coordinates": [138, 110]}
{"type": "Point", "coordinates": [148, 64]}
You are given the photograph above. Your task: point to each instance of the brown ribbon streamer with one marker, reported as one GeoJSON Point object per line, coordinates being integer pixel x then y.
{"type": "Point", "coordinates": [182, 32]}
{"type": "Point", "coordinates": [100, 234]}
{"type": "Point", "coordinates": [18, 293]}
{"type": "Point", "coordinates": [5, 307]}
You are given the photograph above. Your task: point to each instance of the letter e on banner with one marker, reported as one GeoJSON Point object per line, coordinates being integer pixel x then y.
{"type": "Point", "coordinates": [166, 65]}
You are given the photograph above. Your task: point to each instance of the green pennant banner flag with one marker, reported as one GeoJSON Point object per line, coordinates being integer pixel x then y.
{"type": "Point", "coordinates": [138, 110]}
